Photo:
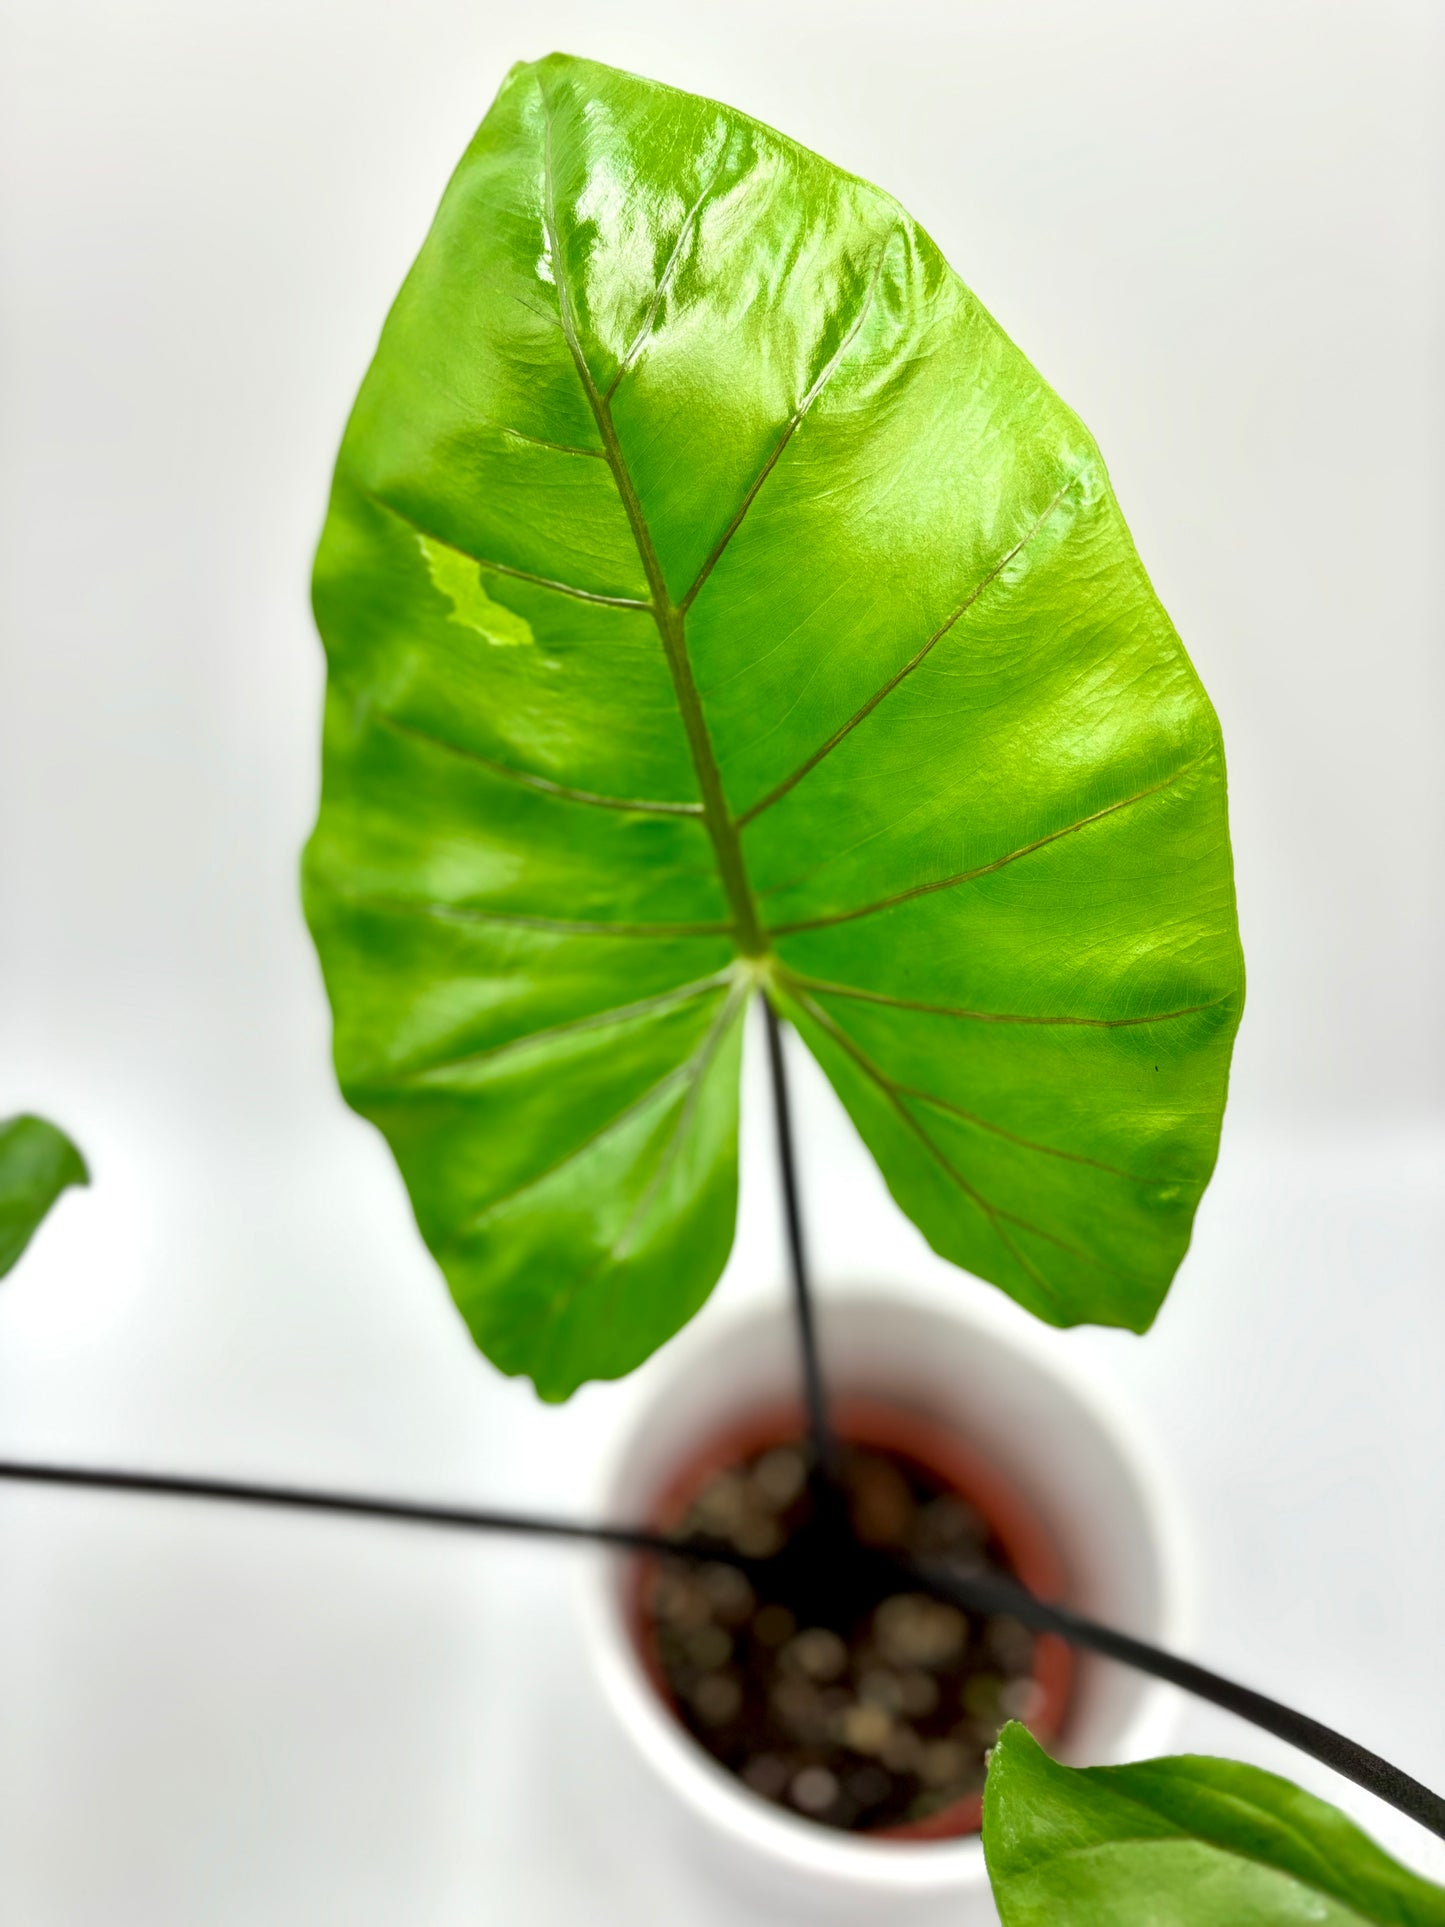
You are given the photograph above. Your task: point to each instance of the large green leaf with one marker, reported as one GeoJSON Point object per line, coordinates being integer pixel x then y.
{"type": "Point", "coordinates": [716, 600]}
{"type": "Point", "coordinates": [1187, 1842]}
{"type": "Point", "coordinates": [37, 1163]}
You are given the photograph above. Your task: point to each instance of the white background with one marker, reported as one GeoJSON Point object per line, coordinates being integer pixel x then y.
{"type": "Point", "coordinates": [1212, 226]}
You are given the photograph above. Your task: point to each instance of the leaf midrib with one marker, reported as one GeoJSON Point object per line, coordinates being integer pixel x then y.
{"type": "Point", "coordinates": [1092, 1849]}
{"type": "Point", "coordinates": [666, 614]}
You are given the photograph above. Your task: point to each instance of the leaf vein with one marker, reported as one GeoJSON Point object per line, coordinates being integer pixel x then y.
{"type": "Point", "coordinates": [790, 429]}
{"type": "Point", "coordinates": [986, 869]}
{"type": "Point", "coordinates": [504, 568]}
{"type": "Point", "coordinates": [561, 926]}
{"type": "Point", "coordinates": [1026, 1143]}
{"type": "Point", "coordinates": [644, 332]}
{"type": "Point", "coordinates": [698, 1066]}
{"type": "Point", "coordinates": [694, 1070]}
{"type": "Point", "coordinates": [824, 988]}
{"type": "Point", "coordinates": [915, 661]}
{"type": "Point", "coordinates": [565, 792]}
{"type": "Point", "coordinates": [605, 1129]}
{"type": "Point", "coordinates": [595, 1020]}
{"type": "Point", "coordinates": [990, 1211]}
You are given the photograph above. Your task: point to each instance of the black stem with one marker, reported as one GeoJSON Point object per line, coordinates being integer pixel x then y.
{"type": "Point", "coordinates": [989, 1593]}
{"type": "Point", "coordinates": [978, 1593]}
{"type": "Point", "coordinates": [820, 1432]}
{"type": "Point", "coordinates": [361, 1505]}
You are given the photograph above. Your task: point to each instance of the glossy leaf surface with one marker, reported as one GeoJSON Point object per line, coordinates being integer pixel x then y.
{"type": "Point", "coordinates": [37, 1163]}
{"type": "Point", "coordinates": [1194, 1842]}
{"type": "Point", "coordinates": [715, 600]}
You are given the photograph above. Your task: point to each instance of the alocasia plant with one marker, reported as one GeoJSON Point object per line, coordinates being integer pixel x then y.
{"type": "Point", "coordinates": [1187, 1842]}
{"type": "Point", "coordinates": [717, 602]}
{"type": "Point", "coordinates": [37, 1163]}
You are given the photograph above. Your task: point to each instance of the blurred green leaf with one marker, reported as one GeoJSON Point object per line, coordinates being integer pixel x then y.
{"type": "Point", "coordinates": [37, 1163]}
{"type": "Point", "coordinates": [1181, 1843]}
{"type": "Point", "coordinates": [716, 600]}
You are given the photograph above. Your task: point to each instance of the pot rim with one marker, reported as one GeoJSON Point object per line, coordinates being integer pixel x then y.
{"type": "Point", "coordinates": [861, 1863]}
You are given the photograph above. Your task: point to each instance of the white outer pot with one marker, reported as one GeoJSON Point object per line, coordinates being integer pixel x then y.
{"type": "Point", "coordinates": [1092, 1484]}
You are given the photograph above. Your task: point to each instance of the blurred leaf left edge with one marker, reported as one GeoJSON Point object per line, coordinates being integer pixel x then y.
{"type": "Point", "coordinates": [37, 1162]}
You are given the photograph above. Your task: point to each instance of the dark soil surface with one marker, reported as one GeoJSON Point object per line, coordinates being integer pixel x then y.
{"type": "Point", "coordinates": [818, 1683]}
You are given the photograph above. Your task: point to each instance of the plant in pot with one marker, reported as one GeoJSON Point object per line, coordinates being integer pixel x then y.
{"type": "Point", "coordinates": [720, 610]}
{"type": "Point", "coordinates": [718, 607]}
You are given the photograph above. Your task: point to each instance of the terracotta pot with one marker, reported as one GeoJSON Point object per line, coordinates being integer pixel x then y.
{"type": "Point", "coordinates": [934, 1449]}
